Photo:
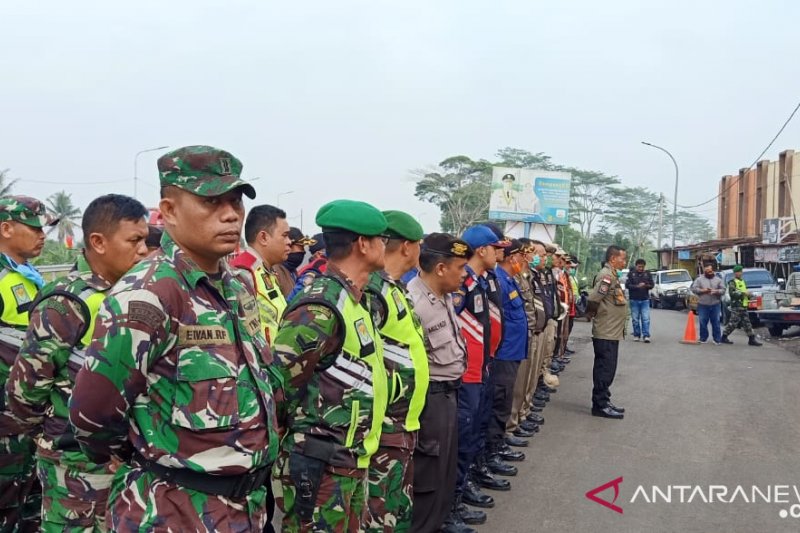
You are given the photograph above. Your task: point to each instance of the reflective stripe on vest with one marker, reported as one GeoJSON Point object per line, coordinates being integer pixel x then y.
{"type": "Point", "coordinates": [359, 334]}
{"type": "Point", "coordinates": [271, 302]}
{"type": "Point", "coordinates": [742, 287]}
{"type": "Point", "coordinates": [93, 300]}
{"type": "Point", "coordinates": [408, 348]}
{"type": "Point", "coordinates": [16, 291]}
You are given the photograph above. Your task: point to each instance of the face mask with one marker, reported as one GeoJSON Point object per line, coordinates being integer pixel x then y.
{"type": "Point", "coordinates": [294, 260]}
{"type": "Point", "coordinates": [537, 260]}
{"type": "Point", "coordinates": [619, 274]}
{"type": "Point", "coordinates": [573, 271]}
{"type": "Point", "coordinates": [548, 263]}
{"type": "Point", "coordinates": [710, 276]}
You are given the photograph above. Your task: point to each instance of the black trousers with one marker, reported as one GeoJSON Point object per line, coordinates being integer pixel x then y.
{"type": "Point", "coordinates": [435, 458]}
{"type": "Point", "coordinates": [504, 376]}
{"type": "Point", "coordinates": [605, 368]}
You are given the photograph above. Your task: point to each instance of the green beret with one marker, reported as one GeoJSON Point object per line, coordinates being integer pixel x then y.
{"type": "Point", "coordinates": [350, 215]}
{"type": "Point", "coordinates": [403, 226]}
{"type": "Point", "coordinates": [26, 210]}
{"type": "Point", "coordinates": [738, 268]}
{"type": "Point", "coordinates": [203, 170]}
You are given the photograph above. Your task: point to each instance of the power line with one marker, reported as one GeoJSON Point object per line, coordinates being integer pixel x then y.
{"type": "Point", "coordinates": [788, 120]}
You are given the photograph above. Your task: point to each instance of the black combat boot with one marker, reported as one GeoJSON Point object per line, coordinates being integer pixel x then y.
{"type": "Point", "coordinates": [454, 523]}
{"type": "Point", "coordinates": [725, 340]}
{"type": "Point", "coordinates": [753, 341]}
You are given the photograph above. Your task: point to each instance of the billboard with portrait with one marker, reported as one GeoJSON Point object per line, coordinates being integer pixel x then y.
{"type": "Point", "coordinates": [530, 195]}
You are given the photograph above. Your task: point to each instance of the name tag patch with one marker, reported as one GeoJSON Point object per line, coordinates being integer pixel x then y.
{"type": "Point", "coordinates": [203, 335]}
{"type": "Point", "coordinates": [478, 303]}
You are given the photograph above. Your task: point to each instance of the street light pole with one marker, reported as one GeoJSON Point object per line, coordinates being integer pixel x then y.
{"type": "Point", "coordinates": [136, 167]}
{"type": "Point", "coordinates": [279, 197]}
{"type": "Point", "coordinates": [674, 203]}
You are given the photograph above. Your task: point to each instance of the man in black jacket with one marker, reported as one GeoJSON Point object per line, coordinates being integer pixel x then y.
{"type": "Point", "coordinates": [639, 283]}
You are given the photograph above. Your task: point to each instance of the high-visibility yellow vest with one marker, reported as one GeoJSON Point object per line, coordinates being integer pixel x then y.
{"type": "Point", "coordinates": [741, 286]}
{"type": "Point", "coordinates": [16, 293]}
{"type": "Point", "coordinates": [271, 302]}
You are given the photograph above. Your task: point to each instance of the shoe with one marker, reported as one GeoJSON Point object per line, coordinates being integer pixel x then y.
{"type": "Point", "coordinates": [636, 339]}
{"type": "Point", "coordinates": [753, 341]}
{"type": "Point", "coordinates": [647, 340]}
{"type": "Point", "coordinates": [725, 340]}
{"type": "Point", "coordinates": [615, 408]}
{"type": "Point", "coordinates": [535, 418]}
{"type": "Point", "coordinates": [470, 516]}
{"type": "Point", "coordinates": [485, 480]}
{"type": "Point", "coordinates": [703, 341]}
{"type": "Point", "coordinates": [542, 396]}
{"type": "Point", "coordinates": [569, 351]}
{"type": "Point", "coordinates": [497, 467]}
{"type": "Point", "coordinates": [716, 343]}
{"type": "Point", "coordinates": [539, 403]}
{"type": "Point", "coordinates": [517, 439]}
{"type": "Point", "coordinates": [507, 454]}
{"type": "Point", "coordinates": [536, 409]}
{"type": "Point", "coordinates": [549, 390]}
{"type": "Point", "coordinates": [529, 426]}
{"type": "Point", "coordinates": [454, 523]}
{"type": "Point", "coordinates": [607, 412]}
{"type": "Point", "coordinates": [473, 496]}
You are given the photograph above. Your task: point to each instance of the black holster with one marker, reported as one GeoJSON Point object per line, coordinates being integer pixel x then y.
{"type": "Point", "coordinates": [306, 470]}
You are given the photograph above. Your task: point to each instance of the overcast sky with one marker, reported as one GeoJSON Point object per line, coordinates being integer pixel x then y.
{"type": "Point", "coordinates": [343, 99]}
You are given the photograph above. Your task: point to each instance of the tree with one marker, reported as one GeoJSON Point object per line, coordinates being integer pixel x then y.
{"type": "Point", "coordinates": [589, 198]}
{"type": "Point", "coordinates": [460, 187]}
{"type": "Point", "coordinates": [517, 158]}
{"type": "Point", "coordinates": [633, 211]}
{"type": "Point", "coordinates": [691, 228]}
{"type": "Point", "coordinates": [5, 184]}
{"type": "Point", "coordinates": [62, 207]}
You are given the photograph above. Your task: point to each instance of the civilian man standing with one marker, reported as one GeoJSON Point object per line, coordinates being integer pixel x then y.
{"type": "Point", "coordinates": [608, 308]}
{"type": "Point", "coordinates": [709, 288]}
{"type": "Point", "coordinates": [639, 283]}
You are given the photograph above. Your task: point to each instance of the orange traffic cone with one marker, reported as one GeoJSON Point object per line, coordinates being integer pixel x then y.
{"type": "Point", "coordinates": [690, 333]}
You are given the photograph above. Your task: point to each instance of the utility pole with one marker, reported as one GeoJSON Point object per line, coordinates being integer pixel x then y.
{"type": "Point", "coordinates": [660, 227]}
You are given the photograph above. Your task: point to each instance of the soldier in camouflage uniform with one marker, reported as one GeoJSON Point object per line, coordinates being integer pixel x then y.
{"type": "Point", "coordinates": [175, 381]}
{"type": "Point", "coordinates": [739, 305]}
{"type": "Point", "coordinates": [391, 471]}
{"type": "Point", "coordinates": [75, 489]}
{"type": "Point", "coordinates": [331, 362]}
{"type": "Point", "coordinates": [22, 220]}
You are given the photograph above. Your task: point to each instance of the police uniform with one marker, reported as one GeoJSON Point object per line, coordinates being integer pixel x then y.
{"type": "Point", "coordinates": [176, 383]}
{"type": "Point", "coordinates": [608, 305]}
{"type": "Point", "coordinates": [330, 359]}
{"type": "Point", "coordinates": [75, 489]}
{"type": "Point", "coordinates": [436, 453]}
{"type": "Point", "coordinates": [391, 469]}
{"type": "Point", "coordinates": [271, 302]}
{"type": "Point", "coordinates": [20, 492]}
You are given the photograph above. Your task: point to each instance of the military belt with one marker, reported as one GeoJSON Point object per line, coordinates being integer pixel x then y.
{"type": "Point", "coordinates": [235, 487]}
{"type": "Point", "coordinates": [443, 386]}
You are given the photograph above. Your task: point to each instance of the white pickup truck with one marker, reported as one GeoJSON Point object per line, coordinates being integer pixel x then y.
{"type": "Point", "coordinates": [671, 288]}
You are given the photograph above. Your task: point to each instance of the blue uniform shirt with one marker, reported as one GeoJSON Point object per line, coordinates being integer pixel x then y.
{"type": "Point", "coordinates": [514, 346]}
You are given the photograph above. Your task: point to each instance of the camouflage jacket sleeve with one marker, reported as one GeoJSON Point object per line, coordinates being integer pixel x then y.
{"type": "Point", "coordinates": [307, 336]}
{"type": "Point", "coordinates": [130, 331]}
{"type": "Point", "coordinates": [54, 329]}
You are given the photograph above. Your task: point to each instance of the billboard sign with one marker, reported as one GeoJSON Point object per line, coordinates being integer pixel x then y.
{"type": "Point", "coordinates": [771, 231]}
{"type": "Point", "coordinates": [530, 195]}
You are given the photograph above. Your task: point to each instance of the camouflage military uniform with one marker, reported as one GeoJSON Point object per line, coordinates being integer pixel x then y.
{"type": "Point", "coordinates": [330, 358]}
{"type": "Point", "coordinates": [739, 317]}
{"type": "Point", "coordinates": [391, 472]}
{"type": "Point", "coordinates": [75, 488]}
{"type": "Point", "coordinates": [174, 383]}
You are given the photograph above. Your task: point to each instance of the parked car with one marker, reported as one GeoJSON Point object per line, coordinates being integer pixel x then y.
{"type": "Point", "coordinates": [762, 286]}
{"type": "Point", "coordinates": [671, 288]}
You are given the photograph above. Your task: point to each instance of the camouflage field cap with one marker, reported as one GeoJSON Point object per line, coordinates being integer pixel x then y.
{"type": "Point", "coordinates": [203, 170]}
{"type": "Point", "coordinates": [27, 210]}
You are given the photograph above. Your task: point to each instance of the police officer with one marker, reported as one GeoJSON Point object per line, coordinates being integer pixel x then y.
{"type": "Point", "coordinates": [330, 357]}
{"type": "Point", "coordinates": [737, 289]}
{"type": "Point", "coordinates": [61, 324]}
{"type": "Point", "coordinates": [267, 235]}
{"type": "Point", "coordinates": [22, 220]}
{"type": "Point", "coordinates": [286, 272]}
{"type": "Point", "coordinates": [175, 381]}
{"type": "Point", "coordinates": [314, 268]}
{"type": "Point", "coordinates": [608, 308]}
{"type": "Point", "coordinates": [391, 470]}
{"type": "Point", "coordinates": [441, 261]}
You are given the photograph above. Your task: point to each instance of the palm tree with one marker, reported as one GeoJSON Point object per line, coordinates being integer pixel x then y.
{"type": "Point", "coordinates": [6, 186]}
{"type": "Point", "coordinates": [62, 207]}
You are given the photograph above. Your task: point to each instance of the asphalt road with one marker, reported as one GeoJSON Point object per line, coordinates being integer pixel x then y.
{"type": "Point", "coordinates": [697, 416]}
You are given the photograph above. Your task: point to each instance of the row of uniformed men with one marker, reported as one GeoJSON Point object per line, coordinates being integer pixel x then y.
{"type": "Point", "coordinates": [159, 377]}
